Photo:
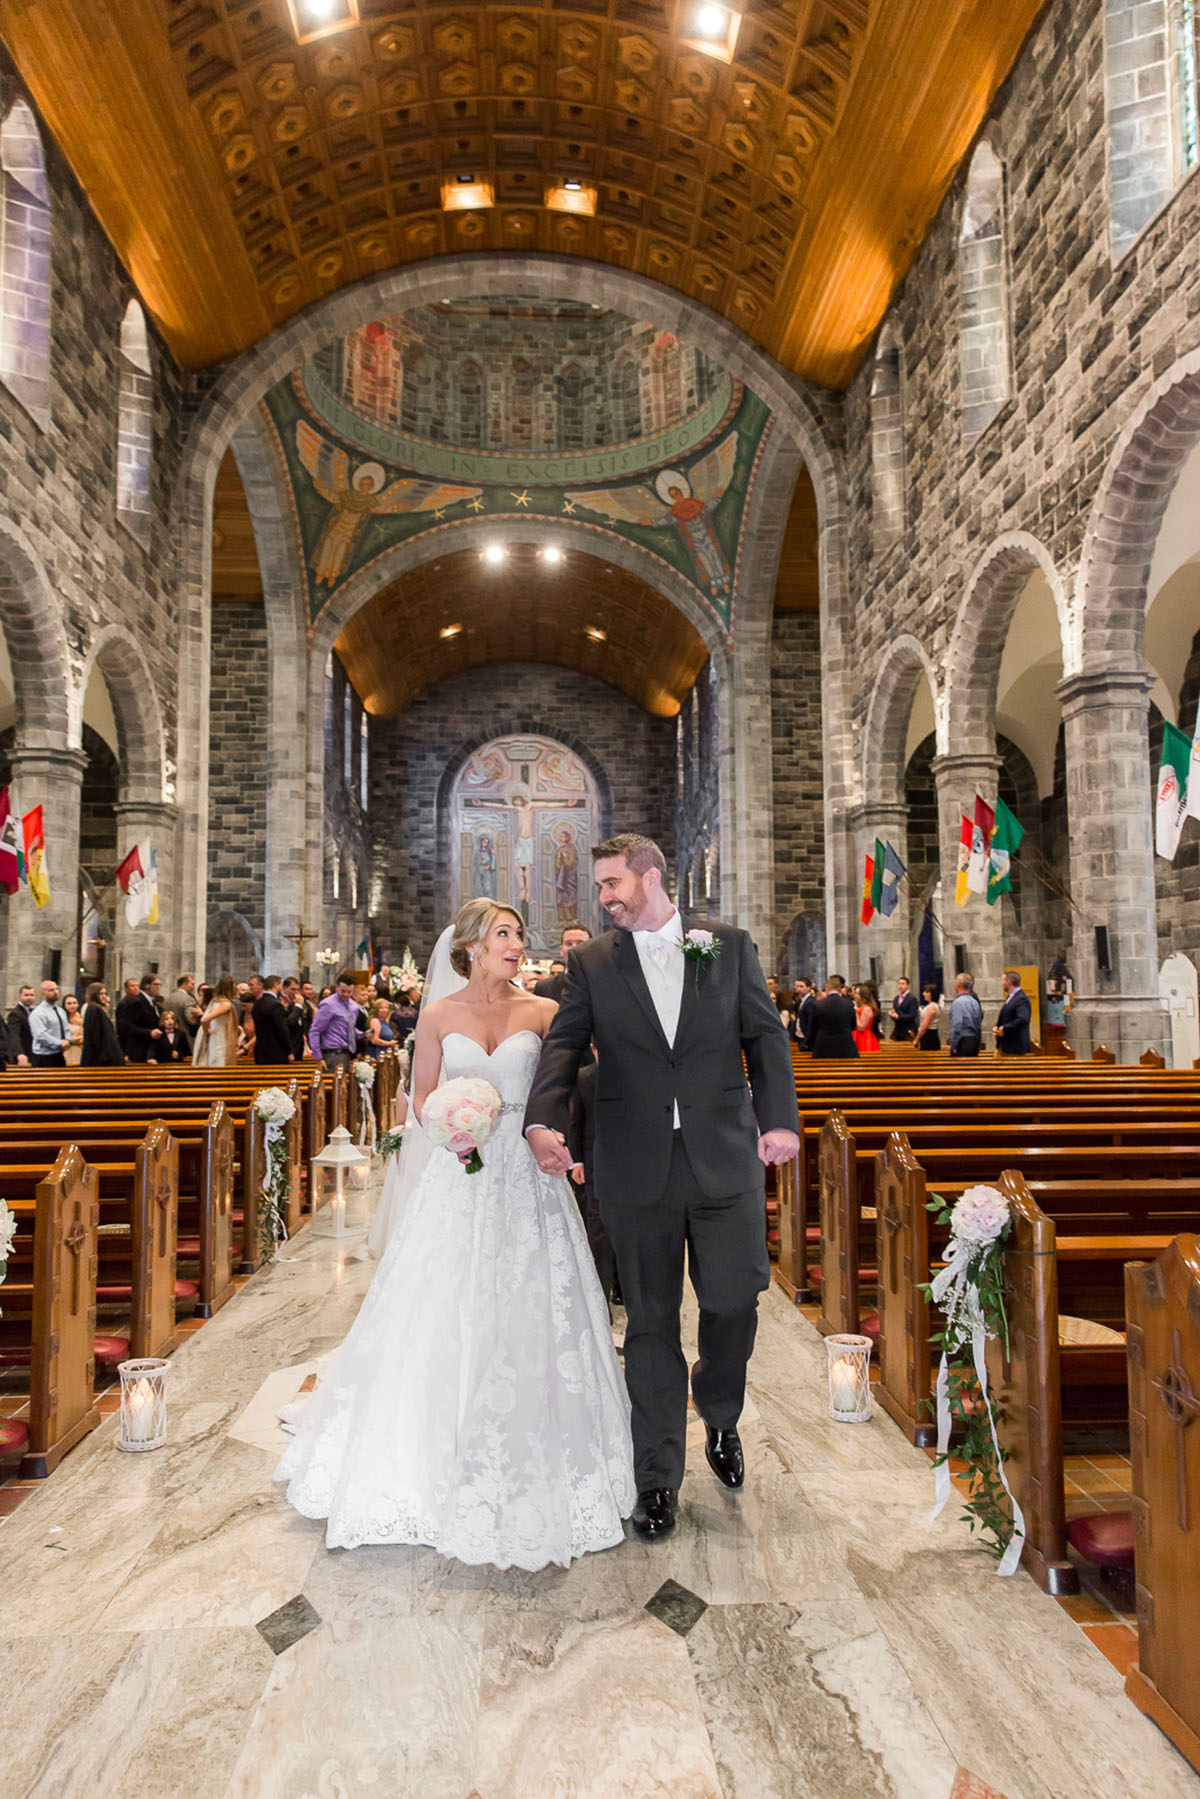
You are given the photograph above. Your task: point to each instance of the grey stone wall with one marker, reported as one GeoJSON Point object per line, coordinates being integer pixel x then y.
{"type": "Point", "coordinates": [797, 787]}
{"type": "Point", "coordinates": [698, 797]}
{"type": "Point", "coordinates": [631, 753]}
{"type": "Point", "coordinates": [347, 840]}
{"type": "Point", "coordinates": [237, 763]}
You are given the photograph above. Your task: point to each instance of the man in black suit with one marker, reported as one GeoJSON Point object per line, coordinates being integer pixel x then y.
{"type": "Point", "coordinates": [680, 1146]}
{"type": "Point", "coordinates": [137, 1020]}
{"type": "Point", "coordinates": [272, 1038]}
{"type": "Point", "coordinates": [906, 1011]}
{"type": "Point", "coordinates": [298, 1018]}
{"type": "Point", "coordinates": [803, 1017]}
{"type": "Point", "coordinates": [20, 1035]}
{"type": "Point", "coordinates": [834, 1019]}
{"type": "Point", "coordinates": [553, 986]}
{"type": "Point", "coordinates": [1011, 1029]}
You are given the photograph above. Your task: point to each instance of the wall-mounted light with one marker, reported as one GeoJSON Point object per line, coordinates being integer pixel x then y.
{"type": "Point", "coordinates": [495, 553]}
{"type": "Point", "coordinates": [571, 195]}
{"type": "Point", "coordinates": [552, 555]}
{"type": "Point", "coordinates": [464, 193]}
{"type": "Point", "coordinates": [317, 18]}
{"type": "Point", "coordinates": [712, 28]}
{"type": "Point", "coordinates": [595, 633]}
{"type": "Point", "coordinates": [450, 631]}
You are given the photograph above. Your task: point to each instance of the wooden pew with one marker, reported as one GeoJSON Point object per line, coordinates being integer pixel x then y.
{"type": "Point", "coordinates": [1163, 1308]}
{"type": "Point", "coordinates": [49, 1319]}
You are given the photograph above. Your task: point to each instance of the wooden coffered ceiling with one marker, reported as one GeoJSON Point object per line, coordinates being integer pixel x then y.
{"type": "Point", "coordinates": [522, 611]}
{"type": "Point", "coordinates": [243, 175]}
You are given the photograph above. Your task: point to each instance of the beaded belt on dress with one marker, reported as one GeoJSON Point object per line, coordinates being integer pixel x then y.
{"type": "Point", "coordinates": [513, 1105]}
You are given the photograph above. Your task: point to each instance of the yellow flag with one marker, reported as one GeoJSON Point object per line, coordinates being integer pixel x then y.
{"type": "Point", "coordinates": [35, 855]}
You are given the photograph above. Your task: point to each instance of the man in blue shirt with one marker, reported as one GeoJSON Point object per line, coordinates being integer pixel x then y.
{"type": "Point", "coordinates": [966, 1018]}
{"type": "Point", "coordinates": [48, 1029]}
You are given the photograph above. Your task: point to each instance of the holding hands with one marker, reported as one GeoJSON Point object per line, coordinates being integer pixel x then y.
{"type": "Point", "coordinates": [550, 1150]}
{"type": "Point", "coordinates": [777, 1147]}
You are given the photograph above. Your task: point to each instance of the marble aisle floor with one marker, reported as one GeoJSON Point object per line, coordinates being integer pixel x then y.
{"type": "Point", "coordinates": [169, 1625]}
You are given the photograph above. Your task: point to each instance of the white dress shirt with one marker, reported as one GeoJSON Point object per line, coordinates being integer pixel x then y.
{"type": "Point", "coordinates": [663, 964]}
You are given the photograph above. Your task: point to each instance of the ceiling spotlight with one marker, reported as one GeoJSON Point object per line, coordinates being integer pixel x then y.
{"type": "Point", "coordinates": [463, 193]}
{"type": "Point", "coordinates": [552, 554]}
{"type": "Point", "coordinates": [494, 553]}
{"type": "Point", "coordinates": [315, 18]}
{"type": "Point", "coordinates": [571, 195]}
{"type": "Point", "coordinates": [573, 187]}
{"type": "Point", "coordinates": [449, 630]}
{"type": "Point", "coordinates": [595, 633]}
{"type": "Point", "coordinates": [713, 29]}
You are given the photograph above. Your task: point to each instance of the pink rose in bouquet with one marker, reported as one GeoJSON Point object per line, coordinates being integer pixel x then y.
{"type": "Point", "coordinates": [460, 1116]}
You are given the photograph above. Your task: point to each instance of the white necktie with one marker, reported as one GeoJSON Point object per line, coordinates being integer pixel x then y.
{"type": "Point", "coordinates": [660, 952]}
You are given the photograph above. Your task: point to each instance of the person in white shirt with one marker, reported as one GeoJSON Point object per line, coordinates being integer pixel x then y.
{"type": "Point", "coordinates": [50, 1029]}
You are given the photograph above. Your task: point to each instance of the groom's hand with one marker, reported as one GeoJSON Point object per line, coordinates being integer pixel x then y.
{"type": "Point", "coordinates": [550, 1150]}
{"type": "Point", "coordinates": [775, 1147]}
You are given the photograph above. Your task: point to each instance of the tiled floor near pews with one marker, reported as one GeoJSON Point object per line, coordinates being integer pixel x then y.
{"type": "Point", "coordinates": [168, 1625]}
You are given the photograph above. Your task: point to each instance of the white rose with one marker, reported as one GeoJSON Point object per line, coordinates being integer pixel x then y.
{"type": "Point", "coordinates": [8, 1230]}
{"type": "Point", "coordinates": [702, 939]}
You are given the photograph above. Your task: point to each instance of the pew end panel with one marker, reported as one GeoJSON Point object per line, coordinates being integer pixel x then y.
{"type": "Point", "coordinates": [62, 1407]}
{"type": "Point", "coordinates": [216, 1212]}
{"type": "Point", "coordinates": [902, 1230]}
{"type": "Point", "coordinates": [838, 1188]}
{"type": "Point", "coordinates": [791, 1267]}
{"type": "Point", "coordinates": [1163, 1309]}
{"type": "Point", "coordinates": [154, 1219]}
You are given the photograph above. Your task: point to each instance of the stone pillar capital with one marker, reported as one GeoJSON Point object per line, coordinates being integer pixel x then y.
{"type": "Point", "coordinates": [1104, 687]}
{"type": "Point", "coordinates": [157, 812]}
{"type": "Point", "coordinates": [61, 763]}
{"type": "Point", "coordinates": [882, 812]}
{"type": "Point", "coordinates": [978, 768]}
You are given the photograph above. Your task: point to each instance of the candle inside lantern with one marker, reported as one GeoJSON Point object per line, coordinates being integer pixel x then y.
{"type": "Point", "coordinates": [843, 1384]}
{"type": "Point", "coordinates": [139, 1423]}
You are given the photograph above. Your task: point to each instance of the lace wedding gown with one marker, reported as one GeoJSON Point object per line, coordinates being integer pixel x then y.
{"type": "Point", "coordinates": [477, 1404]}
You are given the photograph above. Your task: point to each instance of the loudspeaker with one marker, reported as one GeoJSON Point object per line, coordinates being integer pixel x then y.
{"type": "Point", "coordinates": [877, 969]}
{"type": "Point", "coordinates": [1103, 950]}
{"type": "Point", "coordinates": [960, 958]}
{"type": "Point", "coordinates": [54, 961]}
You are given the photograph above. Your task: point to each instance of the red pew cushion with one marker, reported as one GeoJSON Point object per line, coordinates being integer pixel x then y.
{"type": "Point", "coordinates": [868, 1326]}
{"type": "Point", "coordinates": [188, 1247]}
{"type": "Point", "coordinates": [185, 1290]}
{"type": "Point", "coordinates": [13, 1436]}
{"type": "Point", "coordinates": [1105, 1538]}
{"type": "Point", "coordinates": [108, 1351]}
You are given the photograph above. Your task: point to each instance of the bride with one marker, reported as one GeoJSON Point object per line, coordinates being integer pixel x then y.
{"type": "Point", "coordinates": [477, 1404]}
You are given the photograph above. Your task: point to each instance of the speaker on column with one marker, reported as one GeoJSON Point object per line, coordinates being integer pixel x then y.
{"type": "Point", "coordinates": [960, 958]}
{"type": "Point", "coordinates": [1103, 949]}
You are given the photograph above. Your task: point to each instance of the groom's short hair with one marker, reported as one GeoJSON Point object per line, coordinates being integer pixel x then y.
{"type": "Point", "coordinates": [641, 853]}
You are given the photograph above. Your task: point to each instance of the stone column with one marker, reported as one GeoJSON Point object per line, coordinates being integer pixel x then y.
{"type": "Point", "coordinates": [887, 938]}
{"type": "Point", "coordinates": [1110, 800]}
{"type": "Point", "coordinates": [747, 833]}
{"type": "Point", "coordinates": [53, 779]}
{"type": "Point", "coordinates": [976, 925]}
{"type": "Point", "coordinates": [137, 947]}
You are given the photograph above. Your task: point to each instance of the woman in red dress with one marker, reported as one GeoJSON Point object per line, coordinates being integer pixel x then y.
{"type": "Point", "coordinates": [867, 1014]}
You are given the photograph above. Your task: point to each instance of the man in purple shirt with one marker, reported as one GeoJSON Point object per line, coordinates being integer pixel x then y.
{"type": "Point", "coordinates": [333, 1034]}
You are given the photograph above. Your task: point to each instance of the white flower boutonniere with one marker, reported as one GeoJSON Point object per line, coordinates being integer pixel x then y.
{"type": "Point", "coordinates": [700, 947]}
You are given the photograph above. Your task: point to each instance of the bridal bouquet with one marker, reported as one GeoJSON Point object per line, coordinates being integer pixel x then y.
{"type": "Point", "coordinates": [460, 1116]}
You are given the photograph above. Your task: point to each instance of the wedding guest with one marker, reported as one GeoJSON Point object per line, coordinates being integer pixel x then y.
{"type": "Point", "coordinates": [404, 1014]}
{"type": "Point", "coordinates": [800, 1028]}
{"type": "Point", "coordinates": [866, 1018]}
{"type": "Point", "coordinates": [20, 1035]}
{"type": "Point", "coordinates": [553, 985]}
{"type": "Point", "coordinates": [333, 1037]}
{"type": "Point", "coordinates": [905, 1012]}
{"type": "Point", "coordinates": [49, 1030]}
{"type": "Point", "coordinates": [185, 1004]}
{"type": "Point", "coordinates": [74, 1048]}
{"type": "Point", "coordinates": [383, 982]}
{"type": "Point", "coordinates": [1011, 1029]}
{"type": "Point", "coordinates": [928, 1035]}
{"type": "Point", "coordinates": [298, 1016]}
{"type": "Point", "coordinates": [783, 1005]}
{"type": "Point", "coordinates": [100, 1046]}
{"type": "Point", "coordinates": [171, 1044]}
{"type": "Point", "coordinates": [966, 1018]}
{"type": "Point", "coordinates": [137, 1022]}
{"type": "Point", "coordinates": [380, 1035]}
{"type": "Point", "coordinates": [270, 1036]}
{"type": "Point", "coordinates": [216, 1040]}
{"type": "Point", "coordinates": [832, 1033]}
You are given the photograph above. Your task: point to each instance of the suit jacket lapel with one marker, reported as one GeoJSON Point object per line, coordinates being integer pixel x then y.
{"type": "Point", "coordinates": [628, 964]}
{"type": "Point", "coordinates": [694, 974]}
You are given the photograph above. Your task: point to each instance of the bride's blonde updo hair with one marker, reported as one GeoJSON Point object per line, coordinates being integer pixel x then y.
{"type": "Point", "coordinates": [472, 925]}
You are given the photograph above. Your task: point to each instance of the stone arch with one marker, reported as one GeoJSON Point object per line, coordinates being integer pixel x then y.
{"type": "Point", "coordinates": [1107, 620]}
{"type": "Point", "coordinates": [120, 659]}
{"type": "Point", "coordinates": [885, 735]}
{"type": "Point", "coordinates": [983, 293]}
{"type": "Point", "coordinates": [135, 422]}
{"type": "Point", "coordinates": [980, 629]}
{"type": "Point", "coordinates": [887, 438]}
{"type": "Point", "coordinates": [36, 639]}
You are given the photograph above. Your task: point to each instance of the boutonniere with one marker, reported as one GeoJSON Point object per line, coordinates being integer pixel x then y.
{"type": "Point", "coordinates": [700, 947]}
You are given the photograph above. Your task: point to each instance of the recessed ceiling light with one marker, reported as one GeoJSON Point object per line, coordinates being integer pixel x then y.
{"type": "Point", "coordinates": [552, 554]}
{"type": "Point", "coordinates": [595, 633]}
{"type": "Point", "coordinates": [571, 196]}
{"type": "Point", "coordinates": [494, 553]}
{"type": "Point", "coordinates": [449, 630]}
{"type": "Point", "coordinates": [713, 29]}
{"type": "Point", "coordinates": [573, 186]}
{"type": "Point", "coordinates": [315, 18]}
{"type": "Point", "coordinates": [463, 193]}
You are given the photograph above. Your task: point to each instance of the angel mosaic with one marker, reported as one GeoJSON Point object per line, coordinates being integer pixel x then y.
{"type": "Point", "coordinates": [685, 501]}
{"type": "Point", "coordinates": [358, 496]}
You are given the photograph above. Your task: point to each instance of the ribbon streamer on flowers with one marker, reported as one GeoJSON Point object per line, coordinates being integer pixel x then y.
{"type": "Point", "coordinates": [273, 1145]}
{"type": "Point", "coordinates": [364, 1074]}
{"type": "Point", "coordinates": [953, 1289]}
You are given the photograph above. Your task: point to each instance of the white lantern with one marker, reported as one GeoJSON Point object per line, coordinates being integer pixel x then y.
{"type": "Point", "coordinates": [340, 1161]}
{"type": "Point", "coordinates": [143, 1404]}
{"type": "Point", "coordinates": [849, 1378]}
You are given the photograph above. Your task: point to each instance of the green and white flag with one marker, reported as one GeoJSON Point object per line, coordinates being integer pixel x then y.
{"type": "Point", "coordinates": [1171, 806]}
{"type": "Point", "coordinates": [1006, 841]}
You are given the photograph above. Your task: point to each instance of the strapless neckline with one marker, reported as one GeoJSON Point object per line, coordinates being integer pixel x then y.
{"type": "Point", "coordinates": [487, 1054]}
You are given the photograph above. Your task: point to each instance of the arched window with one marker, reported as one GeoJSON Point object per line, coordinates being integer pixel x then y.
{"type": "Point", "coordinates": [887, 441]}
{"type": "Point", "coordinates": [570, 408]}
{"type": "Point", "coordinates": [520, 403]}
{"type": "Point", "coordinates": [362, 761]}
{"type": "Point", "coordinates": [24, 261]}
{"type": "Point", "coordinates": [983, 294]}
{"type": "Point", "coordinates": [134, 424]}
{"type": "Point", "coordinates": [1151, 90]}
{"type": "Point", "coordinates": [627, 395]}
{"type": "Point", "coordinates": [470, 406]}
{"type": "Point", "coordinates": [348, 738]}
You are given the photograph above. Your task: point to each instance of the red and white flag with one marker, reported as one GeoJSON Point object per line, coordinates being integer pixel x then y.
{"type": "Point", "coordinates": [131, 879]}
{"type": "Point", "coordinates": [11, 858]}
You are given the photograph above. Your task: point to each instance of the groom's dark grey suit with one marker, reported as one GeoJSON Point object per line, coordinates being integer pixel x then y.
{"type": "Point", "coordinates": [658, 1188]}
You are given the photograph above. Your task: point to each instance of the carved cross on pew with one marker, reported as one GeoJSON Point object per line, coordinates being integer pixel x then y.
{"type": "Point", "coordinates": [1182, 1407]}
{"type": "Point", "coordinates": [888, 1223]}
{"type": "Point", "coordinates": [74, 1240]}
{"type": "Point", "coordinates": [300, 937]}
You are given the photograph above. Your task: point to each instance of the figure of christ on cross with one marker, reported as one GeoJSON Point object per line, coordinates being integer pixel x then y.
{"type": "Point", "coordinates": [300, 937]}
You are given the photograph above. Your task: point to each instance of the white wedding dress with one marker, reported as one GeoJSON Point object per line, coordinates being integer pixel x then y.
{"type": "Point", "coordinates": [477, 1404]}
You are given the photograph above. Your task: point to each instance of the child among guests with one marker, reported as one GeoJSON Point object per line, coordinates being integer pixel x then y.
{"type": "Point", "coordinates": [172, 1045]}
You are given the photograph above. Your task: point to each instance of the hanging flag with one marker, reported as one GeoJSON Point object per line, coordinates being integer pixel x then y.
{"type": "Point", "coordinates": [151, 861]}
{"type": "Point", "coordinates": [981, 831]}
{"type": "Point", "coordinates": [966, 837]}
{"type": "Point", "coordinates": [868, 909]}
{"type": "Point", "coordinates": [877, 875]}
{"type": "Point", "coordinates": [1006, 841]}
{"type": "Point", "coordinates": [12, 861]}
{"type": "Point", "coordinates": [131, 879]}
{"type": "Point", "coordinates": [894, 872]}
{"type": "Point", "coordinates": [35, 855]}
{"type": "Point", "coordinates": [1172, 804]}
{"type": "Point", "coordinates": [1192, 796]}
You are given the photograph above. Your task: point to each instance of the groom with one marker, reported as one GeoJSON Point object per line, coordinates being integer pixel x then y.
{"type": "Point", "coordinates": [681, 1141]}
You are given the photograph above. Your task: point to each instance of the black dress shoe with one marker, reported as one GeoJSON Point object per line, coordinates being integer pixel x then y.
{"type": "Point", "coordinates": [723, 1452]}
{"type": "Point", "coordinates": [654, 1513]}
